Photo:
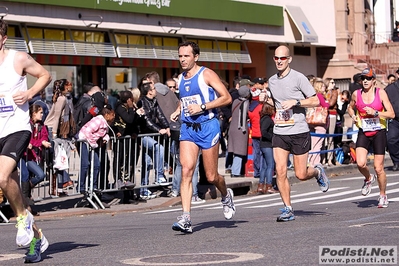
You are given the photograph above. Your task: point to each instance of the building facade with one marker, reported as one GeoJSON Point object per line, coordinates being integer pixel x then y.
{"type": "Point", "coordinates": [113, 43]}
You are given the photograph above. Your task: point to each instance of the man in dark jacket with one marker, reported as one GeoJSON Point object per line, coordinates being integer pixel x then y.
{"type": "Point", "coordinates": [154, 122]}
{"type": "Point", "coordinates": [126, 119]}
{"type": "Point", "coordinates": [392, 91]}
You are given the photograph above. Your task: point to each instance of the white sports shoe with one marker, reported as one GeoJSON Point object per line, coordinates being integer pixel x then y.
{"type": "Point", "coordinates": [366, 189]}
{"type": "Point", "coordinates": [25, 229]}
{"type": "Point", "coordinates": [44, 244]}
{"type": "Point", "coordinates": [383, 201]}
{"type": "Point", "coordinates": [228, 205]}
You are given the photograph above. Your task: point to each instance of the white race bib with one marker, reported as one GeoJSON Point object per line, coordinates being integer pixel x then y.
{"type": "Point", "coordinates": [371, 124]}
{"type": "Point", "coordinates": [284, 117]}
{"type": "Point", "coordinates": [193, 99]}
{"type": "Point", "coordinates": [7, 106]}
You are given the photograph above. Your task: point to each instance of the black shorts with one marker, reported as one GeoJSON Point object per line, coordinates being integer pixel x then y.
{"type": "Point", "coordinates": [378, 141]}
{"type": "Point", "coordinates": [15, 144]}
{"type": "Point", "coordinates": [297, 144]}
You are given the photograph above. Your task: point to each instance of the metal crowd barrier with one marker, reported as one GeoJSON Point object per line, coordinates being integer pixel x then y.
{"type": "Point", "coordinates": [125, 158]}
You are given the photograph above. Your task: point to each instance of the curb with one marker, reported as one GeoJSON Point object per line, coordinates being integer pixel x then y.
{"type": "Point", "coordinates": [240, 185]}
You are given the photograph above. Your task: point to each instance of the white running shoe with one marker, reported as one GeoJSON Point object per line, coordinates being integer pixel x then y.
{"type": "Point", "coordinates": [25, 229]}
{"type": "Point", "coordinates": [366, 189]}
{"type": "Point", "coordinates": [44, 244]}
{"type": "Point", "coordinates": [228, 205]}
{"type": "Point", "coordinates": [383, 201]}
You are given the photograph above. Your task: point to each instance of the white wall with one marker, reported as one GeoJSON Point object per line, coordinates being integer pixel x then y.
{"type": "Point", "coordinates": [320, 13]}
{"type": "Point", "coordinates": [305, 64]}
{"type": "Point", "coordinates": [382, 18]}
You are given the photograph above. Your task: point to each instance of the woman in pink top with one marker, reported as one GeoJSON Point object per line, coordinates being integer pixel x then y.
{"type": "Point", "coordinates": [317, 142]}
{"type": "Point", "coordinates": [373, 108]}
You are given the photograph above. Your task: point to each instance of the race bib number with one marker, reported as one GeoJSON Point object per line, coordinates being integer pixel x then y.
{"type": "Point", "coordinates": [193, 99]}
{"type": "Point", "coordinates": [284, 117]}
{"type": "Point", "coordinates": [7, 106]}
{"type": "Point", "coordinates": [371, 124]}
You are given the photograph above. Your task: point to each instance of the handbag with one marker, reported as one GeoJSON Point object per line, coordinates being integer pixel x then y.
{"type": "Point", "coordinates": [61, 159]}
{"type": "Point", "coordinates": [317, 116]}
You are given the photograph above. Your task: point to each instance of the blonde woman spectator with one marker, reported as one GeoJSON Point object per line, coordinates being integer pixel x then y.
{"type": "Point", "coordinates": [62, 128]}
{"type": "Point", "coordinates": [317, 142]}
{"type": "Point", "coordinates": [331, 97]}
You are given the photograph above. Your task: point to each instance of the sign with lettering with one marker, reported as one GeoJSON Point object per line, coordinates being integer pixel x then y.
{"type": "Point", "coordinates": [220, 10]}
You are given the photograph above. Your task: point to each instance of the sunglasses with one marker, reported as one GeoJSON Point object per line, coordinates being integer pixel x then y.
{"type": "Point", "coordinates": [368, 78]}
{"type": "Point", "coordinates": [282, 58]}
{"type": "Point", "coordinates": [171, 87]}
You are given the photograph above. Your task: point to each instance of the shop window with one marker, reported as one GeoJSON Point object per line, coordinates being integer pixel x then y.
{"type": "Point", "coordinates": [54, 34]}
{"type": "Point", "coordinates": [121, 38]}
{"type": "Point", "coordinates": [35, 33]}
{"type": "Point", "coordinates": [88, 36]}
{"type": "Point", "coordinates": [78, 36]}
{"type": "Point", "coordinates": [136, 39]}
{"type": "Point", "coordinates": [94, 37]}
{"type": "Point", "coordinates": [11, 31]}
{"type": "Point", "coordinates": [205, 44]}
{"type": "Point", "coordinates": [222, 45]}
{"type": "Point", "coordinates": [171, 42]}
{"type": "Point", "coordinates": [234, 46]}
{"type": "Point", "coordinates": [157, 41]}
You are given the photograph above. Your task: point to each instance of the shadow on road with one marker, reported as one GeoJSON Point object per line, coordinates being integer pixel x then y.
{"type": "Point", "coordinates": [217, 224]}
{"type": "Point", "coordinates": [366, 203]}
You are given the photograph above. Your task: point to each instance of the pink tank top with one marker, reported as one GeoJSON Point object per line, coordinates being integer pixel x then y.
{"type": "Point", "coordinates": [376, 104]}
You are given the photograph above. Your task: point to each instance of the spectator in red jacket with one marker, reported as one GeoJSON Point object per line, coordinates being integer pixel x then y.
{"type": "Point", "coordinates": [255, 107]}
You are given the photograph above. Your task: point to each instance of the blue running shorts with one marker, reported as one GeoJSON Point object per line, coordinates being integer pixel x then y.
{"type": "Point", "coordinates": [205, 135]}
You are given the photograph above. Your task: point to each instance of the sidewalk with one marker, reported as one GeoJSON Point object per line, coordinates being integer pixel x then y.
{"type": "Point", "coordinates": [64, 206]}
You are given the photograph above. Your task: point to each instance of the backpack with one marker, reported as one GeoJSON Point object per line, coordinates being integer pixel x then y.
{"type": "Point", "coordinates": [80, 110]}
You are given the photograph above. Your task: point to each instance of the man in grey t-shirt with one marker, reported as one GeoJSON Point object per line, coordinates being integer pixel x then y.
{"type": "Point", "coordinates": [292, 93]}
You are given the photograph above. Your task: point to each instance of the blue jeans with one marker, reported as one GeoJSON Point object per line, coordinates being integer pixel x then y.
{"type": "Point", "coordinates": [85, 158]}
{"type": "Point", "coordinates": [257, 156]}
{"type": "Point", "coordinates": [154, 151]}
{"type": "Point", "coordinates": [33, 168]}
{"type": "Point", "coordinates": [174, 149]}
{"type": "Point", "coordinates": [236, 167]}
{"type": "Point", "coordinates": [266, 172]}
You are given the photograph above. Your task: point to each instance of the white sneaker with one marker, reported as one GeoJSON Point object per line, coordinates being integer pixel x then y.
{"type": "Point", "coordinates": [25, 229]}
{"type": "Point", "coordinates": [197, 200]}
{"type": "Point", "coordinates": [383, 201]}
{"type": "Point", "coordinates": [366, 189]}
{"type": "Point", "coordinates": [228, 205]}
{"type": "Point", "coordinates": [44, 244]}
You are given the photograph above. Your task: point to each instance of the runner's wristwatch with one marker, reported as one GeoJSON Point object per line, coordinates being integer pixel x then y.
{"type": "Point", "coordinates": [203, 107]}
{"type": "Point", "coordinates": [298, 103]}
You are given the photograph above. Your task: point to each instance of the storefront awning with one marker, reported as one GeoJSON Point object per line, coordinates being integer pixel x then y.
{"type": "Point", "coordinates": [39, 46]}
{"type": "Point", "coordinates": [18, 44]}
{"type": "Point", "coordinates": [147, 52]}
{"type": "Point", "coordinates": [170, 53]}
{"type": "Point", "coordinates": [305, 31]}
{"type": "Point", "coordinates": [151, 63]}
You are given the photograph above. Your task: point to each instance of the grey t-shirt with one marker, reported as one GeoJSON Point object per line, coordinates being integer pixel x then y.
{"type": "Point", "coordinates": [294, 86]}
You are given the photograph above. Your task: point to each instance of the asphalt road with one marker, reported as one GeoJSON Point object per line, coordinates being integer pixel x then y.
{"type": "Point", "coordinates": [340, 217]}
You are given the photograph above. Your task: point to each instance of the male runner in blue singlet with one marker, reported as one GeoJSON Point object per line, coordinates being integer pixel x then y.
{"type": "Point", "coordinates": [201, 93]}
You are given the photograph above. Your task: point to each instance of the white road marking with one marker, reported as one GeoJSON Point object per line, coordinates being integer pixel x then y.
{"type": "Point", "coordinates": [236, 257]}
{"type": "Point", "coordinates": [376, 194]}
{"type": "Point", "coordinates": [5, 257]}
